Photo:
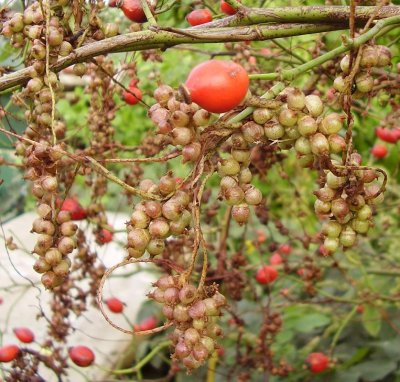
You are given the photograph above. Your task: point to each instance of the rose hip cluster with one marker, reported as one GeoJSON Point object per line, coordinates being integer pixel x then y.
{"type": "Point", "coordinates": [372, 56]}
{"type": "Point", "coordinates": [194, 315]}
{"type": "Point", "coordinates": [153, 221]}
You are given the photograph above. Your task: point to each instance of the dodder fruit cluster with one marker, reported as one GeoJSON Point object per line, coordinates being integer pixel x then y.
{"type": "Point", "coordinates": [153, 221]}
{"type": "Point", "coordinates": [44, 160]}
{"type": "Point", "coordinates": [194, 315]}
{"type": "Point", "coordinates": [348, 202]}
{"type": "Point", "coordinates": [372, 56]}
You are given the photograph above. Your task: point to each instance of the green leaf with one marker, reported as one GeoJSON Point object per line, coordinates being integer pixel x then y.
{"type": "Point", "coordinates": [376, 369]}
{"type": "Point", "coordinates": [360, 354]}
{"type": "Point", "coordinates": [308, 322]}
{"type": "Point", "coordinates": [371, 320]}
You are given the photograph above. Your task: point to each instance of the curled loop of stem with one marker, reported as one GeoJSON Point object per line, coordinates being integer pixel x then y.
{"type": "Point", "coordinates": [100, 297]}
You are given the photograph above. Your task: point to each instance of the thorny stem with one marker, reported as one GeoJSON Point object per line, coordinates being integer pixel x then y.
{"type": "Point", "coordinates": [162, 39]}
{"type": "Point", "coordinates": [291, 74]}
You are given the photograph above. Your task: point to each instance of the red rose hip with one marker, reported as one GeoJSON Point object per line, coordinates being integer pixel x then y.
{"type": "Point", "coordinates": [218, 86]}
{"type": "Point", "coordinates": [199, 16]}
{"type": "Point", "coordinates": [227, 9]}
{"type": "Point", "coordinates": [379, 151]}
{"type": "Point", "coordinates": [8, 353]}
{"type": "Point", "coordinates": [317, 362]}
{"type": "Point", "coordinates": [266, 275]}
{"type": "Point", "coordinates": [105, 236]}
{"type": "Point", "coordinates": [81, 356]}
{"type": "Point", "coordinates": [25, 335]}
{"type": "Point", "coordinates": [115, 305]}
{"type": "Point", "coordinates": [133, 96]}
{"type": "Point", "coordinates": [74, 208]}
{"type": "Point", "coordinates": [132, 9]}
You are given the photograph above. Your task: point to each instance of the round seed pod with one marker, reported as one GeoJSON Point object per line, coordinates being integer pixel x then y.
{"type": "Point", "coordinates": [252, 132]}
{"type": "Point", "coordinates": [234, 195]}
{"type": "Point", "coordinates": [296, 99]}
{"type": "Point", "coordinates": [331, 124]}
{"type": "Point", "coordinates": [335, 182]}
{"type": "Point", "coordinates": [187, 294]}
{"type": "Point", "coordinates": [253, 195]}
{"type": "Point", "coordinates": [62, 269]}
{"type": "Point", "coordinates": [241, 213]}
{"type": "Point", "coordinates": [191, 337]}
{"type": "Point", "coordinates": [181, 313]}
{"type": "Point", "coordinates": [229, 167]}
{"type": "Point", "coordinates": [314, 105]}
{"type": "Point", "coordinates": [348, 237]}
{"type": "Point", "coordinates": [287, 117]}
{"type": "Point", "coordinates": [139, 238]}
{"type": "Point", "coordinates": [319, 144]}
{"type": "Point", "coordinates": [68, 228]}
{"type": "Point", "coordinates": [321, 207]}
{"type": "Point", "coordinates": [41, 265]}
{"type": "Point", "coordinates": [165, 282]}
{"type": "Point", "coordinates": [302, 146]}
{"type": "Point", "coordinates": [332, 229]}
{"type": "Point", "coordinates": [182, 350]}
{"type": "Point", "coordinates": [153, 209]}
{"type": "Point", "coordinates": [331, 244]}
{"type": "Point", "coordinates": [307, 126]}
{"type": "Point", "coordinates": [66, 245]}
{"type": "Point", "coordinates": [274, 131]}
{"type": "Point", "coordinates": [159, 228]}
{"type": "Point", "coordinates": [197, 310]}
{"type": "Point", "coordinates": [139, 219]}
{"type": "Point", "coordinates": [53, 257]}
{"type": "Point", "coordinates": [360, 226]}
{"type": "Point", "coordinates": [200, 352]}
{"type": "Point", "coordinates": [155, 247]}
{"type": "Point", "coordinates": [261, 116]}
{"type": "Point", "coordinates": [171, 296]}
{"type": "Point", "coordinates": [211, 307]}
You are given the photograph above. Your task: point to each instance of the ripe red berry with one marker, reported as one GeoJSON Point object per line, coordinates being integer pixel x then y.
{"type": "Point", "coordinates": [199, 16]}
{"type": "Point", "coordinates": [218, 86]}
{"type": "Point", "coordinates": [8, 353]}
{"type": "Point", "coordinates": [81, 356]}
{"type": "Point", "coordinates": [285, 249]}
{"type": "Point", "coordinates": [317, 362]}
{"type": "Point", "coordinates": [360, 309]}
{"type": "Point", "coordinates": [1, 300]}
{"type": "Point", "coordinates": [227, 9]}
{"type": "Point", "coordinates": [115, 305]}
{"type": "Point", "coordinates": [148, 323]}
{"type": "Point", "coordinates": [387, 135]}
{"type": "Point", "coordinates": [25, 335]}
{"type": "Point", "coordinates": [132, 9]}
{"type": "Point", "coordinates": [379, 151]}
{"type": "Point", "coordinates": [132, 99]}
{"type": "Point", "coordinates": [105, 236]}
{"type": "Point", "coordinates": [266, 275]}
{"type": "Point", "coordinates": [133, 82]}
{"type": "Point", "coordinates": [74, 208]}
{"type": "Point", "coordinates": [275, 259]}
